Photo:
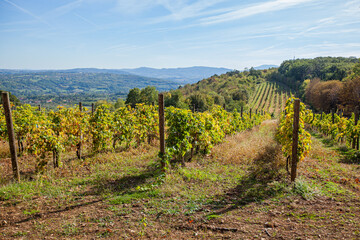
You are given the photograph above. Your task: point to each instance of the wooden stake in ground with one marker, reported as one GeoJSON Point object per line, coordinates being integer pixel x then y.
{"type": "Point", "coordinates": [92, 108]}
{"type": "Point", "coordinates": [162, 129]}
{"type": "Point", "coordinates": [79, 146]}
{"type": "Point", "coordinates": [242, 110]}
{"type": "Point", "coordinates": [250, 113]}
{"type": "Point", "coordinates": [295, 139]}
{"type": "Point", "coordinates": [11, 134]}
{"type": "Point", "coordinates": [39, 108]}
{"type": "Point", "coordinates": [356, 140]}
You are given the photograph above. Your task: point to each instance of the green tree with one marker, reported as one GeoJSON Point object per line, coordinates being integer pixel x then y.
{"type": "Point", "coordinates": [133, 97]}
{"type": "Point", "coordinates": [201, 102]}
{"type": "Point", "coordinates": [105, 103]}
{"type": "Point", "coordinates": [149, 95]}
{"type": "Point", "coordinates": [119, 103]}
{"type": "Point", "coordinates": [175, 99]}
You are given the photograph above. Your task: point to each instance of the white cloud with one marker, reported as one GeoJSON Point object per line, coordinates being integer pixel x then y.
{"type": "Point", "coordinates": [259, 8]}
{"type": "Point", "coordinates": [64, 9]}
{"type": "Point", "coordinates": [27, 12]}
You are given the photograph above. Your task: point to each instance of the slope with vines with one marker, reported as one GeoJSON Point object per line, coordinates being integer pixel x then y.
{"type": "Point", "coordinates": [269, 97]}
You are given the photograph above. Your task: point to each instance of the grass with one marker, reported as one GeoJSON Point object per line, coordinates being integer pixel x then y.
{"type": "Point", "coordinates": [242, 184]}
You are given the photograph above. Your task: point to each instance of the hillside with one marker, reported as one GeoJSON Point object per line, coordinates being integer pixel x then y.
{"type": "Point", "coordinates": [74, 87]}
{"type": "Point", "coordinates": [233, 89]}
{"type": "Point", "coordinates": [269, 97]}
{"type": "Point", "coordinates": [182, 75]}
{"type": "Point", "coordinates": [324, 83]}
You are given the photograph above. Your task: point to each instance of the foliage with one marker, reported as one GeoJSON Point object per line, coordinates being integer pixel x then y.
{"type": "Point", "coordinates": [200, 131]}
{"type": "Point", "coordinates": [285, 131]}
{"type": "Point", "coordinates": [342, 128]}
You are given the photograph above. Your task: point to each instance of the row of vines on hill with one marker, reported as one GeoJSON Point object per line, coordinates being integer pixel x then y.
{"type": "Point", "coordinates": [269, 97]}
{"type": "Point", "coordinates": [42, 132]}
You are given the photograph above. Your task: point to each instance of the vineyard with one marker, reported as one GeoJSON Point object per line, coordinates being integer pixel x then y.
{"type": "Point", "coordinates": [225, 174]}
{"type": "Point", "coordinates": [44, 133]}
{"type": "Point", "coordinates": [269, 97]}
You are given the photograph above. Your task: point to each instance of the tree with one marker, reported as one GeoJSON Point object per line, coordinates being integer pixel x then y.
{"type": "Point", "coordinates": [149, 95]}
{"type": "Point", "coordinates": [176, 99]}
{"type": "Point", "coordinates": [133, 97]}
{"type": "Point", "coordinates": [350, 94]}
{"type": "Point", "coordinates": [104, 102]}
{"type": "Point", "coordinates": [119, 103]}
{"type": "Point", "coordinates": [324, 96]}
{"type": "Point", "coordinates": [201, 102]}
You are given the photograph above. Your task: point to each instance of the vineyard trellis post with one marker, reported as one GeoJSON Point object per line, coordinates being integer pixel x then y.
{"type": "Point", "coordinates": [250, 113]}
{"type": "Point", "coordinates": [242, 110]}
{"type": "Point", "coordinates": [356, 139]}
{"type": "Point", "coordinates": [39, 107]}
{"type": "Point", "coordinates": [11, 134]}
{"type": "Point", "coordinates": [92, 108]}
{"type": "Point", "coordinates": [79, 147]}
{"type": "Point", "coordinates": [162, 130]}
{"type": "Point", "coordinates": [295, 139]}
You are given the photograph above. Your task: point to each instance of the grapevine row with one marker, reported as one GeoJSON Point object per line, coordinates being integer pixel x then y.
{"type": "Point", "coordinates": [68, 129]}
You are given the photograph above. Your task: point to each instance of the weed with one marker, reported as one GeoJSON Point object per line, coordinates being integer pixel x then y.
{"type": "Point", "coordinates": [70, 229]}
{"type": "Point", "coordinates": [304, 189]}
{"type": "Point", "coordinates": [212, 216]}
{"type": "Point", "coordinates": [31, 212]}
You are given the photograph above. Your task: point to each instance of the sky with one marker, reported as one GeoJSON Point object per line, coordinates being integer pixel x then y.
{"type": "Point", "coordinates": [63, 34]}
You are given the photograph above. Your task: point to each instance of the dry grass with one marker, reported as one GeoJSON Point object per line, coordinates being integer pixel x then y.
{"type": "Point", "coordinates": [247, 146]}
{"type": "Point", "coordinates": [4, 149]}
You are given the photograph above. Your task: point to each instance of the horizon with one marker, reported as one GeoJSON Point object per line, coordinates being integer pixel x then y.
{"type": "Point", "coordinates": [120, 34]}
{"type": "Point", "coordinates": [162, 68]}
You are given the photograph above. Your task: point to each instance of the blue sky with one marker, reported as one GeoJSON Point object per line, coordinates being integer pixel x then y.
{"type": "Point", "coordinates": [49, 34]}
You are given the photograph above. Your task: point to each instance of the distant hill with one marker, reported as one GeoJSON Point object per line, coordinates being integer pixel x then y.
{"type": "Point", "coordinates": [178, 75]}
{"type": "Point", "coordinates": [183, 75]}
{"type": "Point", "coordinates": [76, 85]}
{"type": "Point", "coordinates": [262, 67]}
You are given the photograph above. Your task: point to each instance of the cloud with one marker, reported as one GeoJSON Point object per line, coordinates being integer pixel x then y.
{"type": "Point", "coordinates": [86, 20]}
{"type": "Point", "coordinates": [265, 7]}
{"type": "Point", "coordinates": [64, 9]}
{"type": "Point", "coordinates": [27, 12]}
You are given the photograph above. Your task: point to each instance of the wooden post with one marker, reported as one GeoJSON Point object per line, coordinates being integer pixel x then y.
{"type": "Point", "coordinates": [39, 107]}
{"type": "Point", "coordinates": [333, 116]}
{"type": "Point", "coordinates": [224, 105]}
{"type": "Point", "coordinates": [11, 134]}
{"type": "Point", "coordinates": [162, 130]}
{"type": "Point", "coordinates": [79, 146]}
{"type": "Point", "coordinates": [250, 113]}
{"type": "Point", "coordinates": [242, 110]}
{"type": "Point", "coordinates": [356, 140]}
{"type": "Point", "coordinates": [194, 108]}
{"type": "Point", "coordinates": [92, 108]}
{"type": "Point", "coordinates": [295, 139]}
